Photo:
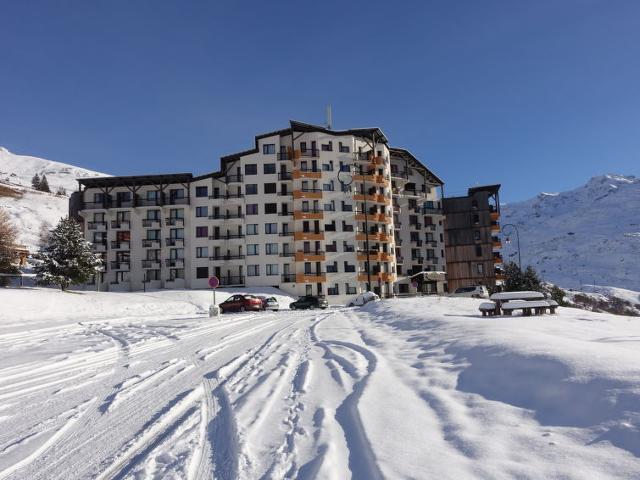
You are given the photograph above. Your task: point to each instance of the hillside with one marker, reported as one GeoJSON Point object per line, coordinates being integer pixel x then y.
{"type": "Point", "coordinates": [30, 209]}
{"type": "Point", "coordinates": [589, 235]}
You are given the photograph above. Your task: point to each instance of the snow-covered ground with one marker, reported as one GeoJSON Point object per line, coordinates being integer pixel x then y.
{"type": "Point", "coordinates": [134, 385]}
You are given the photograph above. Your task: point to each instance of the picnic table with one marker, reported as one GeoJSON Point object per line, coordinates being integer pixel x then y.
{"type": "Point", "coordinates": [527, 301]}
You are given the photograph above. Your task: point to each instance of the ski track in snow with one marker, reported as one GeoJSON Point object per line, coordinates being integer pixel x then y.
{"type": "Point", "coordinates": [250, 396]}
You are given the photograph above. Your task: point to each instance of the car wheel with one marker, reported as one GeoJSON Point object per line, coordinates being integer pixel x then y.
{"type": "Point", "coordinates": [241, 309]}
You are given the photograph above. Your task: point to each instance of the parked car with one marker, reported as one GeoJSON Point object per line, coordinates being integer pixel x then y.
{"type": "Point", "coordinates": [240, 303]}
{"type": "Point", "coordinates": [363, 298]}
{"type": "Point", "coordinates": [309, 302]}
{"type": "Point", "coordinates": [270, 303]}
{"type": "Point", "coordinates": [478, 291]}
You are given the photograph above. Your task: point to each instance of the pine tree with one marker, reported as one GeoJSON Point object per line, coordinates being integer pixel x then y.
{"type": "Point", "coordinates": [513, 278]}
{"type": "Point", "coordinates": [35, 182]}
{"type": "Point", "coordinates": [530, 280]}
{"type": "Point", "coordinates": [558, 295]}
{"type": "Point", "coordinates": [8, 256]}
{"type": "Point", "coordinates": [67, 258]}
{"type": "Point", "coordinates": [44, 184]}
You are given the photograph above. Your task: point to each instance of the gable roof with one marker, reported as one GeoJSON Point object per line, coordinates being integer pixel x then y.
{"type": "Point", "coordinates": [406, 154]}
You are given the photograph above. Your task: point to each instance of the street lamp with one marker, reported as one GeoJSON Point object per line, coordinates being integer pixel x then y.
{"type": "Point", "coordinates": [517, 238]}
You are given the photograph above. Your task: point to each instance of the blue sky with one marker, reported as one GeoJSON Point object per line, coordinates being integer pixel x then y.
{"type": "Point", "coordinates": [538, 96]}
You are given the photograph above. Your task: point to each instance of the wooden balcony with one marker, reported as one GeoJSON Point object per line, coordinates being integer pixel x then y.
{"type": "Point", "coordinates": [302, 215]}
{"type": "Point", "coordinates": [373, 237]}
{"type": "Point", "coordinates": [497, 244]}
{"type": "Point", "coordinates": [377, 179]}
{"type": "Point", "coordinates": [373, 217]}
{"type": "Point", "coordinates": [308, 194]}
{"type": "Point", "coordinates": [311, 277]}
{"type": "Point", "coordinates": [497, 260]}
{"type": "Point", "coordinates": [298, 173]}
{"type": "Point", "coordinates": [375, 198]}
{"type": "Point", "coordinates": [495, 216]}
{"type": "Point", "coordinates": [495, 227]}
{"type": "Point", "coordinates": [308, 236]}
{"type": "Point", "coordinates": [310, 256]}
{"type": "Point", "coordinates": [375, 257]}
{"type": "Point", "coordinates": [375, 277]}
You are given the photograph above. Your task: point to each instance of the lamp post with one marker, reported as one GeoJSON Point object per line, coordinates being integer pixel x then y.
{"type": "Point", "coordinates": [517, 238]}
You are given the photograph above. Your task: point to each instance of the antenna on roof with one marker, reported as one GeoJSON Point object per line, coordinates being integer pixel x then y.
{"type": "Point", "coordinates": [329, 119]}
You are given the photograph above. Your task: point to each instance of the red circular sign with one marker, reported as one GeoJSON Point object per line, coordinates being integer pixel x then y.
{"type": "Point", "coordinates": [214, 282]}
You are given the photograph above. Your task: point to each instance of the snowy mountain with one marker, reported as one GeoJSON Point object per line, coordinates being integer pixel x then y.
{"type": "Point", "coordinates": [31, 210]}
{"type": "Point", "coordinates": [590, 235]}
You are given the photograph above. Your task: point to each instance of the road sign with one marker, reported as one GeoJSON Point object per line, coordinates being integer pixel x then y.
{"type": "Point", "coordinates": [214, 282]}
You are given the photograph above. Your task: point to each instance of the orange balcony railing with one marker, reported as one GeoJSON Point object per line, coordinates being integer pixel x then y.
{"type": "Point", "coordinates": [311, 193]}
{"type": "Point", "coordinates": [302, 256]}
{"type": "Point", "coordinates": [373, 217]}
{"type": "Point", "coordinates": [298, 173]}
{"type": "Point", "coordinates": [375, 257]}
{"type": "Point", "coordinates": [302, 215]}
{"type": "Point", "coordinates": [308, 236]}
{"type": "Point", "coordinates": [311, 278]}
{"type": "Point", "coordinates": [373, 237]}
{"type": "Point", "coordinates": [382, 276]}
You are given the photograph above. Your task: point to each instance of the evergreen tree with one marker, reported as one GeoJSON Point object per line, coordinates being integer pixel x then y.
{"type": "Point", "coordinates": [558, 295]}
{"type": "Point", "coordinates": [44, 184]}
{"type": "Point", "coordinates": [513, 278]}
{"type": "Point", "coordinates": [35, 182]}
{"type": "Point", "coordinates": [8, 256]}
{"type": "Point", "coordinates": [530, 280]}
{"type": "Point", "coordinates": [67, 258]}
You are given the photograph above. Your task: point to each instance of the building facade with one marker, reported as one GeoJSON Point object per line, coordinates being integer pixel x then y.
{"type": "Point", "coordinates": [308, 209]}
{"type": "Point", "coordinates": [472, 239]}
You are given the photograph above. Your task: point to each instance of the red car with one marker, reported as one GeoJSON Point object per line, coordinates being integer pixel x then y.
{"type": "Point", "coordinates": [240, 303]}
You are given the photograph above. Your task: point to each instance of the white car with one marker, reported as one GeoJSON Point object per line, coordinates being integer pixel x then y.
{"type": "Point", "coordinates": [363, 298]}
{"type": "Point", "coordinates": [271, 303]}
{"type": "Point", "coordinates": [479, 291]}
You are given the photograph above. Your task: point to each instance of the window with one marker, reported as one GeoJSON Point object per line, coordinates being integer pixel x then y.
{"type": "Point", "coordinates": [478, 250]}
{"type": "Point", "coordinates": [476, 218]}
{"type": "Point", "coordinates": [202, 191]}
{"type": "Point", "coordinates": [346, 247]}
{"type": "Point", "coordinates": [330, 227]}
{"type": "Point", "coordinates": [331, 247]}
{"type": "Point", "coordinates": [251, 189]}
{"type": "Point", "coordinates": [343, 148]}
{"type": "Point", "coordinates": [272, 269]}
{"type": "Point", "coordinates": [253, 249]}
{"type": "Point", "coordinates": [333, 290]}
{"type": "Point", "coordinates": [351, 290]}
{"type": "Point", "coordinates": [328, 187]}
{"type": "Point", "coordinates": [269, 149]}
{"type": "Point", "coordinates": [330, 207]}
{"type": "Point", "coordinates": [202, 211]}
{"type": "Point", "coordinates": [476, 235]}
{"type": "Point", "coordinates": [252, 229]}
{"type": "Point", "coordinates": [349, 268]}
{"type": "Point", "coordinates": [347, 207]}
{"type": "Point", "coordinates": [202, 252]}
{"type": "Point", "coordinates": [332, 267]}
{"type": "Point", "coordinates": [271, 249]}
{"type": "Point", "coordinates": [346, 227]}
{"type": "Point", "coordinates": [251, 169]}
{"type": "Point", "coordinates": [270, 208]}
{"type": "Point", "coordinates": [327, 147]}
{"type": "Point", "coordinates": [270, 228]}
{"type": "Point", "coordinates": [202, 272]}
{"type": "Point", "coordinates": [253, 270]}
{"type": "Point", "coordinates": [480, 268]}
{"type": "Point", "coordinates": [252, 209]}
{"type": "Point", "coordinates": [269, 168]}
{"type": "Point", "coordinates": [202, 232]}
{"type": "Point", "coordinates": [270, 188]}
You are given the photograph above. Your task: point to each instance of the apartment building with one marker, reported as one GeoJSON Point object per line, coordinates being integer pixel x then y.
{"type": "Point", "coordinates": [472, 238]}
{"type": "Point", "coordinates": [308, 209]}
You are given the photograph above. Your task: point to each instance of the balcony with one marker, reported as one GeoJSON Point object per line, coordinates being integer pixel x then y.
{"type": "Point", "coordinates": [178, 201]}
{"type": "Point", "coordinates": [233, 280]}
{"type": "Point", "coordinates": [174, 262]}
{"type": "Point", "coordinates": [95, 205]}
{"type": "Point", "coordinates": [123, 204]}
{"type": "Point", "coordinates": [373, 217]}
{"type": "Point", "coordinates": [373, 237]}
{"type": "Point", "coordinates": [497, 258]}
{"type": "Point", "coordinates": [228, 236]}
{"type": "Point", "coordinates": [174, 221]}
{"type": "Point", "coordinates": [377, 277]}
{"type": "Point", "coordinates": [120, 245]}
{"type": "Point", "coordinates": [287, 254]}
{"type": "Point", "coordinates": [497, 244]}
{"type": "Point", "coordinates": [430, 227]}
{"type": "Point", "coordinates": [284, 156]}
{"type": "Point", "coordinates": [226, 196]}
{"type": "Point", "coordinates": [419, 260]}
{"type": "Point", "coordinates": [285, 193]}
{"type": "Point", "coordinates": [285, 214]}
{"type": "Point", "coordinates": [119, 265]}
{"type": "Point", "coordinates": [226, 216]}
{"type": "Point", "coordinates": [308, 215]}
{"type": "Point", "coordinates": [307, 173]}
{"type": "Point", "coordinates": [151, 264]}
{"type": "Point", "coordinates": [317, 277]}
{"type": "Point", "coordinates": [495, 227]}
{"type": "Point", "coordinates": [373, 198]}
{"type": "Point", "coordinates": [286, 233]}
{"type": "Point", "coordinates": [400, 174]}
{"type": "Point", "coordinates": [412, 193]}
{"type": "Point", "coordinates": [310, 193]}
{"type": "Point", "coordinates": [234, 178]}
{"type": "Point", "coordinates": [283, 176]}
{"type": "Point", "coordinates": [371, 178]}
{"type": "Point", "coordinates": [315, 256]}
{"type": "Point", "coordinates": [148, 202]}
{"type": "Point", "coordinates": [495, 216]}
{"type": "Point", "coordinates": [121, 224]}
{"type": "Point", "coordinates": [374, 256]}
{"type": "Point", "coordinates": [174, 242]}
{"type": "Point", "coordinates": [151, 222]}
{"type": "Point", "coordinates": [431, 243]}
{"type": "Point", "coordinates": [98, 226]}
{"type": "Point", "coordinates": [151, 243]}
{"type": "Point", "coordinates": [307, 153]}
{"type": "Point", "coordinates": [288, 278]}
{"type": "Point", "coordinates": [226, 258]}
{"type": "Point", "coordinates": [432, 260]}
{"type": "Point", "coordinates": [316, 235]}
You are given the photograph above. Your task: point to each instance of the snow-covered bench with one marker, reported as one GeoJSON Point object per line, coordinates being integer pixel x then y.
{"type": "Point", "coordinates": [537, 306]}
{"type": "Point", "coordinates": [552, 306]}
{"type": "Point", "coordinates": [488, 308]}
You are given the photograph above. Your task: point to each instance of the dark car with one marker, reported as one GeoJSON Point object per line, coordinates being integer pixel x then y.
{"type": "Point", "coordinates": [309, 302]}
{"type": "Point", "coordinates": [240, 303]}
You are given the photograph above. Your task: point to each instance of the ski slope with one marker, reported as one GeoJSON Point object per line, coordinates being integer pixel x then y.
{"type": "Point", "coordinates": [406, 388]}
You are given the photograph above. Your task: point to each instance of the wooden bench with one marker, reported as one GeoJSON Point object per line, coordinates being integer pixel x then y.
{"type": "Point", "coordinates": [552, 306]}
{"type": "Point", "coordinates": [488, 308]}
{"type": "Point", "coordinates": [537, 306]}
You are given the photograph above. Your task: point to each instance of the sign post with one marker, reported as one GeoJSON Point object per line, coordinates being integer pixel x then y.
{"type": "Point", "coordinates": [214, 310]}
